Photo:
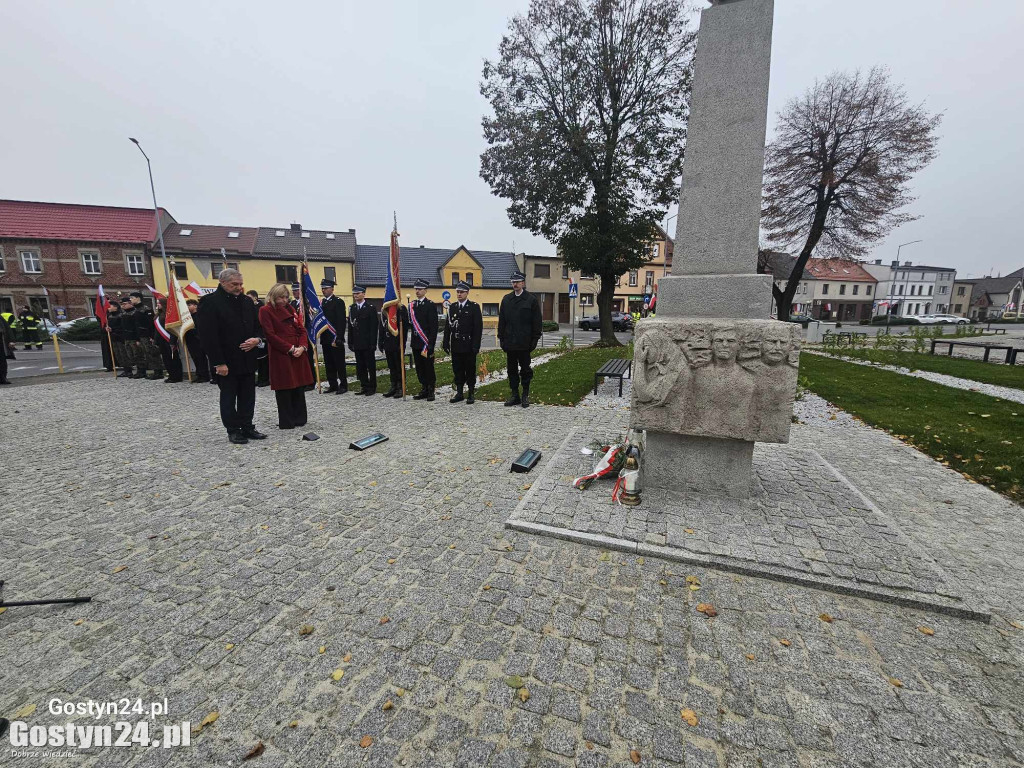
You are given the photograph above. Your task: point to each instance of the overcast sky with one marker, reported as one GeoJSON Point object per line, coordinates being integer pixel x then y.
{"type": "Point", "coordinates": [334, 114]}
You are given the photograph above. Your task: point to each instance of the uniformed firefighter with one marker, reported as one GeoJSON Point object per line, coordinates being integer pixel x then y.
{"type": "Point", "coordinates": [363, 327]}
{"type": "Point", "coordinates": [333, 344]}
{"type": "Point", "coordinates": [29, 322]}
{"type": "Point", "coordinates": [462, 335]}
{"type": "Point", "coordinates": [425, 313]}
{"type": "Point", "coordinates": [519, 330]}
{"type": "Point", "coordinates": [393, 345]}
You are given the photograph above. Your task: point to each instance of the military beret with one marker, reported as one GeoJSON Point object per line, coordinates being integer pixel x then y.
{"type": "Point", "coordinates": [325, 283]}
{"type": "Point", "coordinates": [421, 283]}
{"type": "Point", "coordinates": [517, 275]}
{"type": "Point", "coordinates": [358, 289]}
{"type": "Point", "coordinates": [462, 285]}
{"type": "Point", "coordinates": [124, 299]}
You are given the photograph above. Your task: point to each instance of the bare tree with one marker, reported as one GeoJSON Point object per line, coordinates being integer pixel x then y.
{"type": "Point", "coordinates": [590, 101]}
{"type": "Point", "coordinates": [837, 171]}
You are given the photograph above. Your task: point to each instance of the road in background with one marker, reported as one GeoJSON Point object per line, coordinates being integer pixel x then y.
{"type": "Point", "coordinates": [76, 356]}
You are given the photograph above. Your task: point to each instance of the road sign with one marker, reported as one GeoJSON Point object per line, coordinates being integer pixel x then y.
{"type": "Point", "coordinates": [574, 290]}
{"type": "Point", "coordinates": [446, 295]}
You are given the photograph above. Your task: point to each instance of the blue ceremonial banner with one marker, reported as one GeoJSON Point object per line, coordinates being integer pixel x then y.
{"type": "Point", "coordinates": [316, 323]}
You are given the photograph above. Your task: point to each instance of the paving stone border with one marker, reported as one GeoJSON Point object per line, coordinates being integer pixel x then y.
{"type": "Point", "coordinates": [805, 524]}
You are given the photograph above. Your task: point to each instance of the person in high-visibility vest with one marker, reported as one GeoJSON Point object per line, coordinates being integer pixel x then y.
{"type": "Point", "coordinates": [29, 321]}
{"type": "Point", "coordinates": [8, 319]}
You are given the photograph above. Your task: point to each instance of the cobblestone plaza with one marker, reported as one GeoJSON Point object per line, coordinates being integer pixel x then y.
{"type": "Point", "coordinates": [242, 579]}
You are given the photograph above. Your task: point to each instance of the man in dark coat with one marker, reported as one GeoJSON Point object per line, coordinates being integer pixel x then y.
{"type": "Point", "coordinates": [333, 344]}
{"type": "Point", "coordinates": [6, 342]}
{"type": "Point", "coordinates": [262, 361]}
{"type": "Point", "coordinates": [462, 336]}
{"type": "Point", "coordinates": [363, 327]}
{"type": "Point", "coordinates": [392, 346]}
{"type": "Point", "coordinates": [425, 313]}
{"type": "Point", "coordinates": [136, 370]}
{"type": "Point", "coordinates": [230, 334]}
{"type": "Point", "coordinates": [519, 330]}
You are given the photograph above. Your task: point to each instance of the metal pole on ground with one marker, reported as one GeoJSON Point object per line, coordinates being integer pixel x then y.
{"type": "Point", "coordinates": [113, 360]}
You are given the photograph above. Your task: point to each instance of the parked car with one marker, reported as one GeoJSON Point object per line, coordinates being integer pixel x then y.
{"type": "Point", "coordinates": [620, 322]}
{"type": "Point", "coordinates": [950, 319]}
{"type": "Point", "coordinates": [803, 319]}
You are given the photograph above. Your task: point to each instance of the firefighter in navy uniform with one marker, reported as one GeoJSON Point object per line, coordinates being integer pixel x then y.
{"type": "Point", "coordinates": [130, 333]}
{"type": "Point", "coordinates": [392, 345]}
{"type": "Point", "coordinates": [149, 353]}
{"type": "Point", "coordinates": [519, 330]}
{"type": "Point", "coordinates": [363, 327]}
{"type": "Point", "coordinates": [333, 346]}
{"type": "Point", "coordinates": [462, 336]}
{"type": "Point", "coordinates": [29, 322]}
{"type": "Point", "coordinates": [425, 312]}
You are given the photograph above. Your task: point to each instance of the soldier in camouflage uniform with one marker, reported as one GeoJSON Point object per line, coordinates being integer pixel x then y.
{"type": "Point", "coordinates": [149, 354]}
{"type": "Point", "coordinates": [130, 337]}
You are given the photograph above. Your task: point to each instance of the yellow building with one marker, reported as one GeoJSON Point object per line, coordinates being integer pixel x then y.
{"type": "Point", "coordinates": [487, 271]}
{"type": "Point", "coordinates": [263, 255]}
{"type": "Point", "coordinates": [631, 287]}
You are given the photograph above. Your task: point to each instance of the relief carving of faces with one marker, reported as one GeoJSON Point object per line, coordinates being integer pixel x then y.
{"type": "Point", "coordinates": [775, 346]}
{"type": "Point", "coordinates": [725, 343]}
{"type": "Point", "coordinates": [657, 362]}
{"type": "Point", "coordinates": [697, 348]}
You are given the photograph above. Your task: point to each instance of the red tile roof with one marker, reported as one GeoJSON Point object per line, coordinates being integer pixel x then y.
{"type": "Point", "coordinates": [837, 269]}
{"type": "Point", "coordinates": [207, 238]}
{"type": "Point", "coordinates": [64, 221]}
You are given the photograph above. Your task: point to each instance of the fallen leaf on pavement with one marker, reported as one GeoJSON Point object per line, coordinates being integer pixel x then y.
{"type": "Point", "coordinates": [926, 631]}
{"type": "Point", "coordinates": [229, 646]}
{"type": "Point", "coordinates": [347, 658]}
{"type": "Point", "coordinates": [1017, 624]}
{"type": "Point", "coordinates": [293, 724]}
{"type": "Point", "coordinates": [254, 752]}
{"type": "Point", "coordinates": [25, 711]}
{"type": "Point", "coordinates": [306, 629]}
{"type": "Point", "coordinates": [391, 561]}
{"type": "Point", "coordinates": [895, 682]}
{"type": "Point", "coordinates": [707, 609]}
{"type": "Point", "coordinates": [365, 742]}
{"type": "Point", "coordinates": [634, 756]}
{"type": "Point", "coordinates": [119, 569]}
{"type": "Point", "coordinates": [323, 648]}
{"type": "Point", "coordinates": [785, 642]}
{"type": "Point", "coordinates": [826, 618]}
{"type": "Point", "coordinates": [689, 716]}
{"type": "Point", "coordinates": [77, 623]}
{"type": "Point", "coordinates": [387, 705]}
{"type": "Point", "coordinates": [688, 530]}
{"type": "Point", "coordinates": [750, 656]}
{"type": "Point", "coordinates": [524, 694]}
{"type": "Point", "coordinates": [384, 619]}
{"type": "Point", "coordinates": [514, 681]}
{"type": "Point", "coordinates": [337, 674]}
{"type": "Point", "coordinates": [210, 719]}
{"type": "Point", "coordinates": [604, 557]}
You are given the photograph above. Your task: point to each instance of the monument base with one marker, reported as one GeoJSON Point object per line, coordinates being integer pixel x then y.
{"type": "Point", "coordinates": [704, 464]}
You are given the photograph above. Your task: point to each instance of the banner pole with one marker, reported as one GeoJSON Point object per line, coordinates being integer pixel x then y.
{"type": "Point", "coordinates": [316, 367]}
{"type": "Point", "coordinates": [401, 340]}
{"type": "Point", "coordinates": [56, 348]}
{"type": "Point", "coordinates": [183, 349]}
{"type": "Point", "coordinates": [113, 361]}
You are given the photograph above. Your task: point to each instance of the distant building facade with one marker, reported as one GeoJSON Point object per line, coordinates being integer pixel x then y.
{"type": "Point", "coordinates": [831, 290]}
{"type": "Point", "coordinates": [908, 289]}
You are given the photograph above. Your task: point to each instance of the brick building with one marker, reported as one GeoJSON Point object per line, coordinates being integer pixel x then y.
{"type": "Point", "coordinates": [70, 250]}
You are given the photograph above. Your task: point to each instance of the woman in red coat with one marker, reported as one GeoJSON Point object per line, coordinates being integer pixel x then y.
{"type": "Point", "coordinates": [289, 371]}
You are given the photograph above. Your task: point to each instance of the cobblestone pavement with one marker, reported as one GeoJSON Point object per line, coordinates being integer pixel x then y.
{"type": "Point", "coordinates": [206, 560]}
{"type": "Point", "coordinates": [803, 522]}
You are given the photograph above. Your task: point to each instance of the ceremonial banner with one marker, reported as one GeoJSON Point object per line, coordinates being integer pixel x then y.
{"type": "Point", "coordinates": [418, 329]}
{"type": "Point", "coordinates": [178, 318]}
{"type": "Point", "coordinates": [101, 307]}
{"type": "Point", "coordinates": [316, 323]}
{"type": "Point", "coordinates": [160, 329]}
{"type": "Point", "coordinates": [392, 290]}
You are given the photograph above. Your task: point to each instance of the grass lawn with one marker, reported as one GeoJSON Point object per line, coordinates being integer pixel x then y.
{"type": "Point", "coordinates": [975, 370]}
{"type": "Point", "coordinates": [494, 360]}
{"type": "Point", "coordinates": [564, 380]}
{"type": "Point", "coordinates": [977, 435]}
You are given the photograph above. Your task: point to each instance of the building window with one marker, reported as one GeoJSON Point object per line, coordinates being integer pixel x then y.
{"type": "Point", "coordinates": [824, 289]}
{"type": "Point", "coordinates": [959, 291]}
{"type": "Point", "coordinates": [618, 280]}
{"type": "Point", "coordinates": [542, 271]}
{"type": "Point", "coordinates": [286, 273]}
{"type": "Point", "coordinates": [867, 290]}
{"type": "Point", "coordinates": [90, 262]}
{"type": "Point", "coordinates": [491, 310]}
{"type": "Point", "coordinates": [3, 266]}
{"type": "Point", "coordinates": [469, 278]}
{"type": "Point", "coordinates": [856, 289]}
{"type": "Point", "coordinates": [215, 268]}
{"type": "Point", "coordinates": [842, 289]}
{"type": "Point", "coordinates": [633, 277]}
{"type": "Point", "coordinates": [586, 299]}
{"type": "Point", "coordinates": [455, 278]}
{"type": "Point", "coordinates": [134, 264]}
{"type": "Point", "coordinates": [958, 308]}
{"type": "Point", "coordinates": [943, 289]}
{"type": "Point", "coordinates": [650, 279]}
{"type": "Point", "coordinates": [31, 263]}
{"type": "Point", "coordinates": [930, 289]}
{"type": "Point", "coordinates": [565, 273]}
{"type": "Point", "coordinates": [180, 271]}
{"type": "Point", "coordinates": [6, 304]}
{"type": "Point", "coordinates": [330, 274]}
{"type": "Point", "coordinates": [586, 276]}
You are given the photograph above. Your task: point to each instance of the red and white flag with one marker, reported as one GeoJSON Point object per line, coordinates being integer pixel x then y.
{"type": "Point", "coordinates": [177, 317]}
{"type": "Point", "coordinates": [101, 307]}
{"type": "Point", "coordinates": [156, 294]}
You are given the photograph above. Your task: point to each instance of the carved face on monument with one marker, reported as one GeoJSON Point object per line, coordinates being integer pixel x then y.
{"type": "Point", "coordinates": [698, 349]}
{"type": "Point", "coordinates": [775, 345]}
{"type": "Point", "coordinates": [725, 344]}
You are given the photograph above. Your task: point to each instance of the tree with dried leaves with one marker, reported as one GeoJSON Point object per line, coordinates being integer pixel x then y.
{"type": "Point", "coordinates": [590, 102]}
{"type": "Point", "coordinates": [837, 171]}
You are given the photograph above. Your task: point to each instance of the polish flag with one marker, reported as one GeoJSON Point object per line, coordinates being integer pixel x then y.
{"type": "Point", "coordinates": [101, 308]}
{"type": "Point", "coordinates": [156, 294]}
{"type": "Point", "coordinates": [193, 288]}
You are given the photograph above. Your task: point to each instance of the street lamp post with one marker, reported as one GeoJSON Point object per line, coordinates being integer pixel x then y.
{"type": "Point", "coordinates": [156, 212]}
{"type": "Point", "coordinates": [892, 281]}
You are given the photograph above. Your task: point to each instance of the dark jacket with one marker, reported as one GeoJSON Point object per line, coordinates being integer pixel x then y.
{"type": "Point", "coordinates": [144, 322]}
{"type": "Point", "coordinates": [426, 315]}
{"type": "Point", "coordinates": [362, 327]}
{"type": "Point", "coordinates": [388, 342]}
{"type": "Point", "coordinates": [465, 328]}
{"type": "Point", "coordinates": [6, 335]}
{"type": "Point", "coordinates": [519, 321]}
{"type": "Point", "coordinates": [128, 330]}
{"type": "Point", "coordinates": [114, 324]}
{"type": "Point", "coordinates": [224, 322]}
{"type": "Point", "coordinates": [334, 311]}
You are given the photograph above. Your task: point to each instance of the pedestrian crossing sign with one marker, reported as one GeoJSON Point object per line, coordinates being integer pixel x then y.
{"type": "Point", "coordinates": [574, 290]}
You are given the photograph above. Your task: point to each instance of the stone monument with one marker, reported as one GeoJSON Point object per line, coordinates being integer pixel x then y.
{"type": "Point", "coordinates": [712, 374]}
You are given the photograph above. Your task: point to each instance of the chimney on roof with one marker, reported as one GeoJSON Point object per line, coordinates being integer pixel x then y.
{"type": "Point", "coordinates": [351, 231]}
{"type": "Point", "coordinates": [895, 263]}
{"type": "Point", "coordinates": [878, 261]}
{"type": "Point", "coordinates": [296, 227]}
{"type": "Point", "coordinates": [421, 246]}
{"type": "Point", "coordinates": [906, 264]}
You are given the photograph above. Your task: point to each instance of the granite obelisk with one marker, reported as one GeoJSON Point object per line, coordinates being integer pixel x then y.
{"type": "Point", "coordinates": [712, 372]}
